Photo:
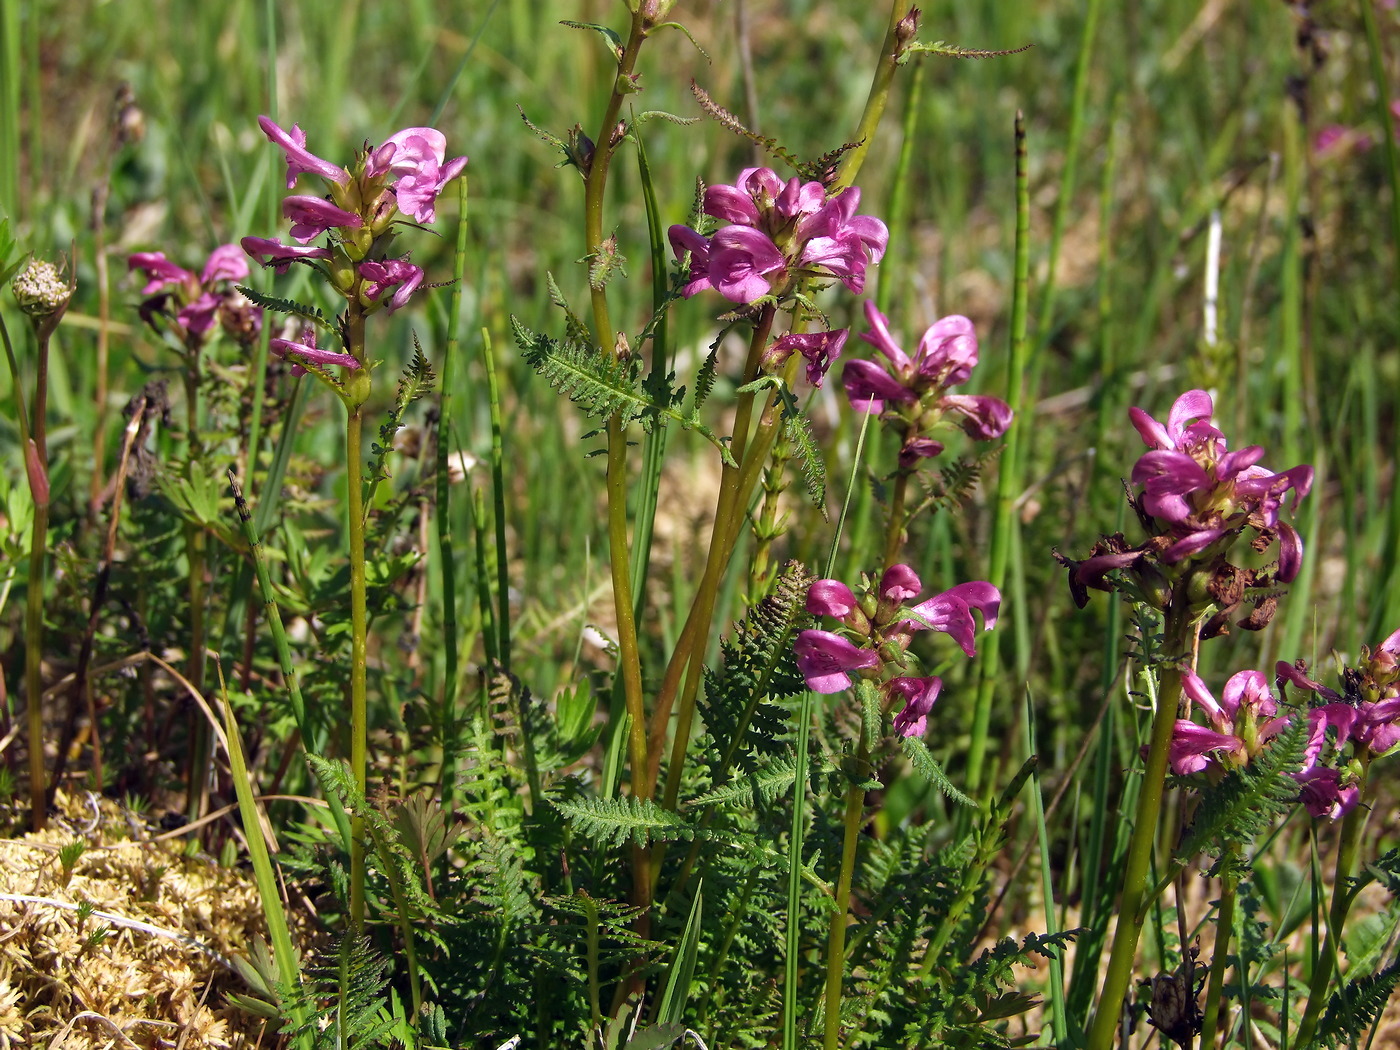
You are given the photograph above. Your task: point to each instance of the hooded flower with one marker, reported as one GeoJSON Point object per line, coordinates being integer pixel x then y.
{"type": "Point", "coordinates": [776, 232]}
{"type": "Point", "coordinates": [307, 352]}
{"type": "Point", "coordinates": [1239, 724]}
{"type": "Point", "coordinates": [914, 390]}
{"type": "Point", "coordinates": [876, 630]}
{"type": "Point", "coordinates": [195, 303]}
{"type": "Point", "coordinates": [817, 347]}
{"type": "Point", "coordinates": [1203, 491]}
{"type": "Point", "coordinates": [399, 274]}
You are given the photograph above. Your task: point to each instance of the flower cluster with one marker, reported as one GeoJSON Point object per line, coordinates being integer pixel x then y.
{"type": "Point", "coordinates": [1197, 499]}
{"type": "Point", "coordinates": [913, 391]}
{"type": "Point", "coordinates": [400, 178]}
{"type": "Point", "coordinates": [1366, 714]}
{"type": "Point", "coordinates": [777, 233]}
{"type": "Point", "coordinates": [192, 304]}
{"type": "Point", "coordinates": [877, 629]}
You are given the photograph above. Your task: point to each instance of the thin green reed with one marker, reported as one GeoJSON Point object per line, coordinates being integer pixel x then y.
{"type": "Point", "coordinates": [1058, 1009]}
{"type": "Point", "coordinates": [1005, 529]}
{"type": "Point", "coordinates": [447, 557]}
{"type": "Point", "coordinates": [11, 148]}
{"type": "Point", "coordinates": [1387, 610]}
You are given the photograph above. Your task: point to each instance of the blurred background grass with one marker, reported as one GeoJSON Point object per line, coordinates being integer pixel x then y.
{"type": "Point", "coordinates": [1189, 107]}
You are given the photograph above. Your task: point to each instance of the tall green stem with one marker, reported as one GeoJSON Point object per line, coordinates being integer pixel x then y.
{"type": "Point", "coordinates": [1348, 851]}
{"type": "Point", "coordinates": [840, 918]}
{"type": "Point", "coordinates": [354, 509]}
{"type": "Point", "coordinates": [1132, 904]}
{"type": "Point", "coordinates": [875, 101]}
{"type": "Point", "coordinates": [1224, 926]}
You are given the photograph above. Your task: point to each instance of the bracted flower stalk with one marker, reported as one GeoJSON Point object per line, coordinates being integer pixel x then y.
{"type": "Point", "coordinates": [1224, 927]}
{"type": "Point", "coordinates": [1348, 852]}
{"type": "Point", "coordinates": [858, 772]}
{"type": "Point", "coordinates": [1133, 902]}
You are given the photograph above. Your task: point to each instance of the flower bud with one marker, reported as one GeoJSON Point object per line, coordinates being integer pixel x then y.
{"type": "Point", "coordinates": [40, 290]}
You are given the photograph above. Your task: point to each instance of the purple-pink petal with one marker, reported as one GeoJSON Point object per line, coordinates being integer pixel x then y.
{"type": "Point", "coordinates": [391, 273]}
{"type": "Point", "coordinates": [1290, 553]}
{"type": "Point", "coordinates": [985, 418]}
{"type": "Point", "coordinates": [313, 216]}
{"type": "Point", "coordinates": [731, 204]}
{"type": "Point", "coordinates": [830, 598]}
{"type": "Point", "coordinates": [824, 659]}
{"type": "Point", "coordinates": [1286, 672]}
{"type": "Point", "coordinates": [879, 337]}
{"type": "Point", "coordinates": [683, 239]}
{"type": "Point", "coordinates": [740, 259]}
{"type": "Point", "coordinates": [293, 144]}
{"type": "Point", "coordinates": [919, 697]}
{"type": "Point", "coordinates": [226, 263]}
{"type": "Point", "coordinates": [1200, 695]}
{"type": "Point", "coordinates": [198, 317]}
{"type": "Point", "coordinates": [159, 269]}
{"type": "Point", "coordinates": [1190, 406]}
{"type": "Point", "coordinates": [311, 353]}
{"type": "Point", "coordinates": [868, 386]}
{"type": "Point", "coordinates": [1192, 543]}
{"type": "Point", "coordinates": [948, 350]}
{"type": "Point", "coordinates": [273, 251]}
{"type": "Point", "coordinates": [1251, 690]}
{"type": "Point", "coordinates": [1321, 792]}
{"type": "Point", "coordinates": [1191, 743]}
{"type": "Point", "coordinates": [900, 583]}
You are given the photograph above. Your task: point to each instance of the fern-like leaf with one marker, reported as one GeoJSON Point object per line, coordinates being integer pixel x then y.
{"type": "Point", "coordinates": [757, 664]}
{"type": "Point", "coordinates": [1355, 1008]}
{"type": "Point", "coordinates": [613, 821]}
{"type": "Point", "coordinates": [928, 767]}
{"type": "Point", "coordinates": [1247, 801]}
{"type": "Point", "coordinates": [287, 306]}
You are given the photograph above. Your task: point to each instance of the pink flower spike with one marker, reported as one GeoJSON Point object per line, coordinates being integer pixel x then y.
{"type": "Point", "coordinates": [280, 256]}
{"type": "Point", "coordinates": [919, 697]}
{"type": "Point", "coordinates": [825, 658]}
{"type": "Point", "coordinates": [160, 270]}
{"type": "Point", "coordinates": [299, 160]}
{"type": "Point", "coordinates": [391, 273]}
{"type": "Point", "coordinates": [226, 263]}
{"type": "Point", "coordinates": [830, 598]}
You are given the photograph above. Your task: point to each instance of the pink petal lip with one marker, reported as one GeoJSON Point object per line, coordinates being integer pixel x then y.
{"type": "Point", "coordinates": [299, 159]}
{"type": "Point", "coordinates": [830, 598]}
{"type": "Point", "coordinates": [825, 658]}
{"type": "Point", "coordinates": [226, 263]}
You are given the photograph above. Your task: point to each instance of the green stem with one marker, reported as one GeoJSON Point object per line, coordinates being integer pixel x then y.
{"type": "Point", "coordinates": [735, 486]}
{"type": "Point", "coordinates": [894, 529]}
{"type": "Point", "coordinates": [1005, 525]}
{"type": "Point", "coordinates": [354, 509]}
{"type": "Point", "coordinates": [1224, 926]}
{"type": "Point", "coordinates": [1349, 850]}
{"type": "Point", "coordinates": [446, 553]}
{"type": "Point", "coordinates": [890, 51]}
{"type": "Point", "coordinates": [1133, 899]}
{"type": "Point", "coordinates": [841, 917]}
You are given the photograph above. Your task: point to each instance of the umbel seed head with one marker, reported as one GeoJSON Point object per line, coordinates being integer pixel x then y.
{"type": "Point", "coordinates": [40, 290]}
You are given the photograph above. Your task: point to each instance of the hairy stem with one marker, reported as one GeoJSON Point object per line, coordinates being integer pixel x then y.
{"type": "Point", "coordinates": [354, 510]}
{"type": "Point", "coordinates": [1224, 926]}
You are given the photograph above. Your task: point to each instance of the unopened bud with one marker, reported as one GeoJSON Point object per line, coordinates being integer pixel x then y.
{"type": "Point", "coordinates": [907, 28]}
{"type": "Point", "coordinates": [40, 290]}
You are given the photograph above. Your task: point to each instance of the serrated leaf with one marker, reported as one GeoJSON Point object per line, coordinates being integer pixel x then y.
{"type": "Point", "coordinates": [928, 767]}
{"type": "Point", "coordinates": [287, 306]}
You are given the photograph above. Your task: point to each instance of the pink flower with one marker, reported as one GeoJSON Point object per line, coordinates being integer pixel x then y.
{"type": "Point", "coordinates": [302, 353]}
{"type": "Point", "coordinates": [280, 256]}
{"type": "Point", "coordinates": [915, 389]}
{"type": "Point", "coordinates": [825, 660]}
{"type": "Point", "coordinates": [1204, 492]}
{"type": "Point", "coordinates": [777, 231]}
{"type": "Point", "coordinates": [313, 216]}
{"type": "Point", "coordinates": [417, 156]}
{"type": "Point", "coordinates": [1240, 723]}
{"type": "Point", "coordinates": [817, 347]}
{"type": "Point", "coordinates": [299, 160]}
{"type": "Point", "coordinates": [197, 302]}
{"type": "Point", "coordinates": [919, 695]}
{"type": "Point", "coordinates": [391, 273]}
